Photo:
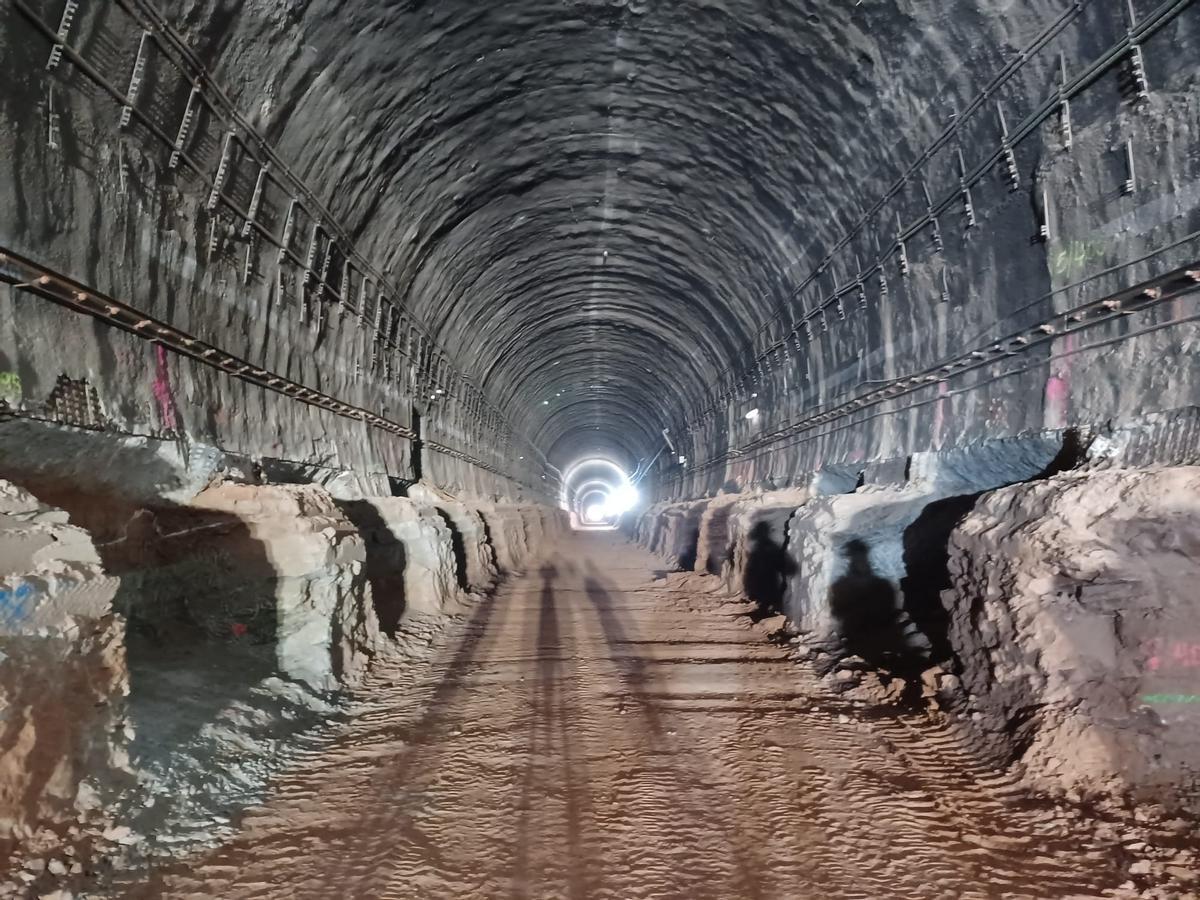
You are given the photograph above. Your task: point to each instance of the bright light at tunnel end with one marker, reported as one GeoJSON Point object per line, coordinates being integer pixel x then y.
{"type": "Point", "coordinates": [601, 501]}
{"type": "Point", "coordinates": [594, 514]}
{"type": "Point", "coordinates": [620, 501]}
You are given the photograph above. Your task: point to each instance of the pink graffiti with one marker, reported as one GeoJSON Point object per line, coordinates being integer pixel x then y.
{"type": "Point", "coordinates": [1057, 394]}
{"type": "Point", "coordinates": [1166, 655]}
{"type": "Point", "coordinates": [1058, 388]}
{"type": "Point", "coordinates": [162, 389]}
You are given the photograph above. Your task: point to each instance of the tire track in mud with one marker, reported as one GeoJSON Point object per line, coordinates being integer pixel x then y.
{"type": "Point", "coordinates": [590, 733]}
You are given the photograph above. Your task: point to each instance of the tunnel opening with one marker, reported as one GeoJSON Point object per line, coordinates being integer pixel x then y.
{"type": "Point", "coordinates": [597, 493]}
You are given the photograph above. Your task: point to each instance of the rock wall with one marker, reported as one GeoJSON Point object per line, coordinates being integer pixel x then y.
{"type": "Point", "coordinates": [740, 537]}
{"type": "Point", "coordinates": [1050, 613]}
{"type": "Point", "coordinates": [520, 533]}
{"type": "Point", "coordinates": [276, 567]}
{"type": "Point", "coordinates": [757, 534]}
{"type": "Point", "coordinates": [715, 545]}
{"type": "Point", "coordinates": [1073, 611]}
{"type": "Point", "coordinates": [672, 530]}
{"type": "Point", "coordinates": [187, 650]}
{"type": "Point", "coordinates": [63, 678]}
{"type": "Point", "coordinates": [313, 559]}
{"type": "Point", "coordinates": [410, 558]}
{"type": "Point", "coordinates": [472, 544]}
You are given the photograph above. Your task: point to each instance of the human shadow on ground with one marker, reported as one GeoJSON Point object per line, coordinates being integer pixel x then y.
{"type": "Point", "coordinates": [552, 739]}
{"type": "Point", "coordinates": [640, 685]}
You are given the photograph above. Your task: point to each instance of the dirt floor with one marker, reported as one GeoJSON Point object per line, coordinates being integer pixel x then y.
{"type": "Point", "coordinates": [595, 730]}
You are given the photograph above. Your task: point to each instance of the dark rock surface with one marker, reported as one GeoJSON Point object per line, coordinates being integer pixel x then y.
{"type": "Point", "coordinates": [601, 209]}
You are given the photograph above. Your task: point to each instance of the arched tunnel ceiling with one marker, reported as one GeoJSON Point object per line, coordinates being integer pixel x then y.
{"type": "Point", "coordinates": [596, 203]}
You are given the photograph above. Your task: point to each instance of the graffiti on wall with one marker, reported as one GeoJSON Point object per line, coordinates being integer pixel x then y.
{"type": "Point", "coordinates": [10, 388]}
{"type": "Point", "coordinates": [162, 390]}
{"type": "Point", "coordinates": [1073, 258]}
{"type": "Point", "coordinates": [15, 605]}
{"type": "Point", "coordinates": [1171, 662]}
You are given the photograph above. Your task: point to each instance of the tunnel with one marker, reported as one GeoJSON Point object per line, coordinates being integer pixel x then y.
{"type": "Point", "coordinates": [599, 448]}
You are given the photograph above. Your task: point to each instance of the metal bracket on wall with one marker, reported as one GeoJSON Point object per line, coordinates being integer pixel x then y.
{"type": "Point", "coordinates": [938, 245]}
{"type": "Point", "coordinates": [185, 127]}
{"type": "Point", "coordinates": [860, 283]}
{"type": "Point", "coordinates": [135, 79]}
{"type": "Point", "coordinates": [1134, 82]}
{"type": "Point", "coordinates": [323, 285]}
{"type": "Point", "coordinates": [289, 230]}
{"type": "Point", "coordinates": [347, 288]}
{"type": "Point", "coordinates": [1043, 217]}
{"type": "Point", "coordinates": [968, 205]}
{"type": "Point", "coordinates": [903, 251]}
{"type": "Point", "coordinates": [1130, 183]}
{"type": "Point", "coordinates": [64, 30]}
{"type": "Point", "coordinates": [367, 285]}
{"type": "Point", "coordinates": [53, 131]}
{"type": "Point", "coordinates": [376, 335]}
{"type": "Point", "coordinates": [310, 257]}
{"type": "Point", "coordinates": [122, 168]}
{"type": "Point", "coordinates": [214, 196]}
{"type": "Point", "coordinates": [213, 235]}
{"type": "Point", "coordinates": [260, 184]}
{"type": "Point", "coordinates": [1008, 157]}
{"type": "Point", "coordinates": [1064, 104]}
{"type": "Point", "coordinates": [319, 319]}
{"type": "Point", "coordinates": [394, 323]}
{"type": "Point", "coordinates": [251, 256]}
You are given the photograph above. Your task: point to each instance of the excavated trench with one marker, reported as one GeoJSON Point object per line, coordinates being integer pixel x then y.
{"type": "Point", "coordinates": [603, 448]}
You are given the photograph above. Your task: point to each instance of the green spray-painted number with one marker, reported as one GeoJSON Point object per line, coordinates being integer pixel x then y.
{"type": "Point", "coordinates": [1070, 259]}
{"type": "Point", "coordinates": [10, 387]}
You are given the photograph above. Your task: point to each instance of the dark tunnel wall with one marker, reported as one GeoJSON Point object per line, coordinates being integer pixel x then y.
{"type": "Point", "coordinates": [623, 216]}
